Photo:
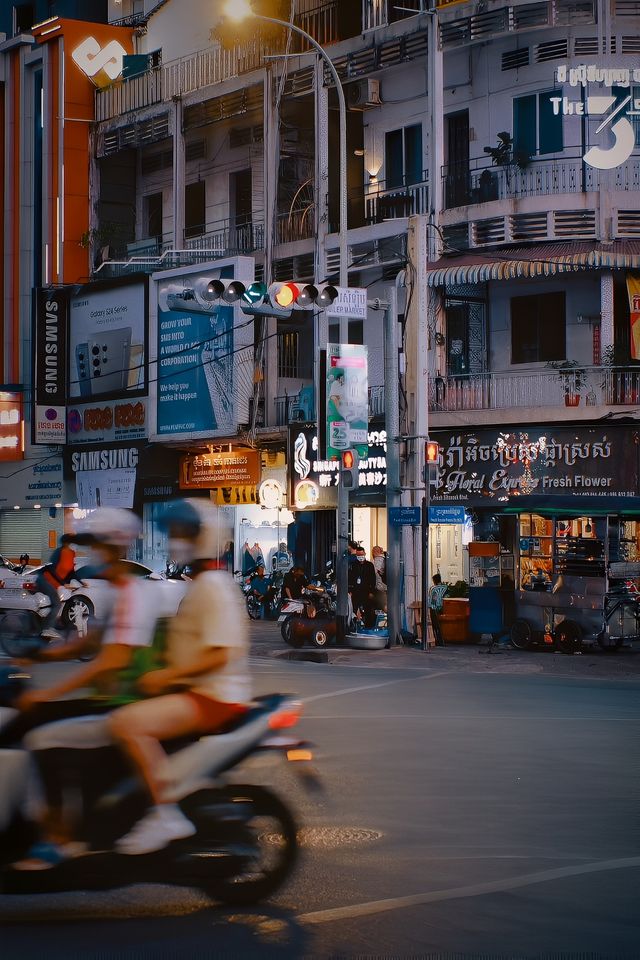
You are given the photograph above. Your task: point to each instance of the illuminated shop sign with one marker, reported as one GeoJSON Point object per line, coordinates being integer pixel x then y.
{"type": "Point", "coordinates": [313, 482]}
{"type": "Point", "coordinates": [101, 64]}
{"type": "Point", "coordinates": [11, 427]}
{"type": "Point", "coordinates": [615, 111]}
{"type": "Point", "coordinates": [490, 466]}
{"type": "Point", "coordinates": [224, 469]}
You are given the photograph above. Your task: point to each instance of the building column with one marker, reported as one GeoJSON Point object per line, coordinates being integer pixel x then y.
{"type": "Point", "coordinates": [178, 176]}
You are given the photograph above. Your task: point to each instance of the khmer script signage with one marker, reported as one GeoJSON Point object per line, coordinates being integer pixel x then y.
{"type": "Point", "coordinates": [489, 466]}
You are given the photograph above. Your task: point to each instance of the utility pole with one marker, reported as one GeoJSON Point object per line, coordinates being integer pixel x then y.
{"type": "Point", "coordinates": [392, 420]}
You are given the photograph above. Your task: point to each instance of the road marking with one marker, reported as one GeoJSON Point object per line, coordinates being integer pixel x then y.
{"type": "Point", "coordinates": [455, 893]}
{"type": "Point", "coordinates": [375, 686]}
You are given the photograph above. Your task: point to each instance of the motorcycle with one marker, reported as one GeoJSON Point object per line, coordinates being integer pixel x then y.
{"type": "Point", "coordinates": [318, 601]}
{"type": "Point", "coordinates": [245, 845]}
{"type": "Point", "coordinates": [254, 604]}
{"type": "Point", "coordinates": [19, 567]}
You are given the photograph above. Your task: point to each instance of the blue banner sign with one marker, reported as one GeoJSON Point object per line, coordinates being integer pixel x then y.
{"type": "Point", "coordinates": [404, 516]}
{"type": "Point", "coordinates": [441, 514]}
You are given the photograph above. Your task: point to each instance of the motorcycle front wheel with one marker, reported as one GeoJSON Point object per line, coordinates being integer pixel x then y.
{"type": "Point", "coordinates": [20, 634]}
{"type": "Point", "coordinates": [259, 821]}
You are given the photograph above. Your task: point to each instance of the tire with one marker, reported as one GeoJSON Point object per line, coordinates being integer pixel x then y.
{"type": "Point", "coordinates": [520, 635]}
{"type": "Point", "coordinates": [568, 637]}
{"type": "Point", "coordinates": [277, 833]}
{"type": "Point", "coordinates": [285, 630]}
{"type": "Point", "coordinates": [75, 610]}
{"type": "Point", "coordinates": [20, 634]}
{"type": "Point", "coordinates": [253, 608]}
{"type": "Point", "coordinates": [320, 638]}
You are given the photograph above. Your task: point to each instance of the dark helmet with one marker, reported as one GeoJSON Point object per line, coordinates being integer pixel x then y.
{"type": "Point", "coordinates": [13, 682]}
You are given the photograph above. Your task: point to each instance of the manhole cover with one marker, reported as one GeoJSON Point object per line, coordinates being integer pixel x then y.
{"type": "Point", "coordinates": [331, 837]}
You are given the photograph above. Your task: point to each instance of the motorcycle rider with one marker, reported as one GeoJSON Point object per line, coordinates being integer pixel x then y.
{"type": "Point", "coordinates": [294, 583]}
{"type": "Point", "coordinates": [59, 570]}
{"type": "Point", "coordinates": [262, 589]}
{"type": "Point", "coordinates": [206, 682]}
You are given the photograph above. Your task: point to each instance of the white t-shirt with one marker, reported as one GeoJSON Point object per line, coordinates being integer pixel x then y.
{"type": "Point", "coordinates": [212, 614]}
{"type": "Point", "coordinates": [132, 620]}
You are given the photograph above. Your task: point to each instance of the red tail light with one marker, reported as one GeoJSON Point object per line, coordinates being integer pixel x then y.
{"type": "Point", "coordinates": [1, 584]}
{"type": "Point", "coordinates": [286, 718]}
{"type": "Point", "coordinates": [29, 586]}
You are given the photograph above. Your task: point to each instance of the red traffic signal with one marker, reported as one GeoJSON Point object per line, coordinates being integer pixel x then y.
{"type": "Point", "coordinates": [431, 451]}
{"type": "Point", "coordinates": [348, 460]}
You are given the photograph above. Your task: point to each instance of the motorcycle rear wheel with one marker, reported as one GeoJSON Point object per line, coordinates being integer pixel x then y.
{"type": "Point", "coordinates": [268, 826]}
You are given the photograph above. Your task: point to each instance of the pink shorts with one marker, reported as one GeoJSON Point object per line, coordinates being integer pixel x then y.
{"type": "Point", "coordinates": [214, 714]}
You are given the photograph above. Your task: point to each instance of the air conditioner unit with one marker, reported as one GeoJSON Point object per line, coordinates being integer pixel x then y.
{"type": "Point", "coordinates": [363, 95]}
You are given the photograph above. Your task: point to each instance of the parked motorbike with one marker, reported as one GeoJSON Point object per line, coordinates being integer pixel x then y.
{"type": "Point", "coordinates": [245, 845]}
{"type": "Point", "coordinates": [253, 603]}
{"type": "Point", "coordinates": [318, 601]}
{"type": "Point", "coordinates": [19, 567]}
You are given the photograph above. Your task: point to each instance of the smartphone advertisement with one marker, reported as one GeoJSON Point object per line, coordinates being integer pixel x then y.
{"type": "Point", "coordinates": [205, 352]}
{"type": "Point", "coordinates": [108, 362]}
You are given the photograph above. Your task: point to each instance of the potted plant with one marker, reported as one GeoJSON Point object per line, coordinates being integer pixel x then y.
{"type": "Point", "coordinates": [573, 378]}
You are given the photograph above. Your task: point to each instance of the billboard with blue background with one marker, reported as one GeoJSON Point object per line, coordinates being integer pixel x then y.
{"type": "Point", "coordinates": [204, 377]}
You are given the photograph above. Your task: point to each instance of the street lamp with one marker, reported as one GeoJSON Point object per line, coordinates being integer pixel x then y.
{"type": "Point", "coordinates": [238, 10]}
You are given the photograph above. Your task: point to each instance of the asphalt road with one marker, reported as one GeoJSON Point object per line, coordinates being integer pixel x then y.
{"type": "Point", "coordinates": [476, 808]}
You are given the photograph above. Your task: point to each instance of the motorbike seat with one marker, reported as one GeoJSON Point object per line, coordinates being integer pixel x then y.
{"type": "Point", "coordinates": [261, 705]}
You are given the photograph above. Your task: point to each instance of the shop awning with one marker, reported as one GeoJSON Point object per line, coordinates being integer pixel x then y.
{"type": "Point", "coordinates": [568, 506]}
{"type": "Point", "coordinates": [543, 260]}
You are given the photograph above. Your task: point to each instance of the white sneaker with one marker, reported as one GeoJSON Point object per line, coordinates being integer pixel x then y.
{"type": "Point", "coordinates": [52, 634]}
{"type": "Point", "coordinates": [156, 830]}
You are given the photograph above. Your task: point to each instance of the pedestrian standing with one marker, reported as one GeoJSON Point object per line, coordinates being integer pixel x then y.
{"type": "Point", "coordinates": [437, 594]}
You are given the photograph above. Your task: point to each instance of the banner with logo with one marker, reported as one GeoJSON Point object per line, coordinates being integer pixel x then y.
{"type": "Point", "coordinates": [50, 366]}
{"type": "Point", "coordinates": [633, 292]}
{"type": "Point", "coordinates": [347, 399]}
{"type": "Point", "coordinates": [313, 482]}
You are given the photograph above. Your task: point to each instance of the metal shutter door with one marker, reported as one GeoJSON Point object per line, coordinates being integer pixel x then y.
{"type": "Point", "coordinates": [21, 532]}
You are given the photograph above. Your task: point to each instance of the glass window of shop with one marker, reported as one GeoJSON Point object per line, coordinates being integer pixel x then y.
{"type": "Point", "coordinates": [572, 547]}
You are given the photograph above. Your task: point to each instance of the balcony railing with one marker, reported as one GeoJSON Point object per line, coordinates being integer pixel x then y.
{"type": "Point", "coordinates": [591, 386]}
{"type": "Point", "coordinates": [227, 238]}
{"type": "Point", "coordinates": [479, 182]}
{"type": "Point", "coordinates": [384, 201]}
{"type": "Point", "coordinates": [379, 13]}
{"type": "Point", "coordinates": [295, 225]}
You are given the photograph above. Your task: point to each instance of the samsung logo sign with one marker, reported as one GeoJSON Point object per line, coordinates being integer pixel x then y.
{"type": "Point", "coordinates": [104, 459]}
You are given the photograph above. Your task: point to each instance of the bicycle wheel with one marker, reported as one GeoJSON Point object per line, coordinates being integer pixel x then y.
{"type": "Point", "coordinates": [521, 636]}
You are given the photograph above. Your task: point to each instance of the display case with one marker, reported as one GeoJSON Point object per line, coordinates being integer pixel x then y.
{"type": "Point", "coordinates": [536, 539]}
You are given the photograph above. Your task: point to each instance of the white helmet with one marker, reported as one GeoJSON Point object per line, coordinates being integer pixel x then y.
{"type": "Point", "coordinates": [112, 526]}
{"type": "Point", "coordinates": [202, 523]}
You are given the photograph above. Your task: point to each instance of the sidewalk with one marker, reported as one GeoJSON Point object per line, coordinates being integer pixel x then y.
{"type": "Point", "coordinates": [467, 658]}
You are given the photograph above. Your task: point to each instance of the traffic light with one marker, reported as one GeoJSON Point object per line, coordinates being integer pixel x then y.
{"type": "Point", "coordinates": [431, 456]}
{"type": "Point", "coordinates": [349, 470]}
{"type": "Point", "coordinates": [283, 298]}
{"type": "Point", "coordinates": [431, 451]}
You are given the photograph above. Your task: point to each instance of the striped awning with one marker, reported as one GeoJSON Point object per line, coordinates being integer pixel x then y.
{"type": "Point", "coordinates": [526, 263]}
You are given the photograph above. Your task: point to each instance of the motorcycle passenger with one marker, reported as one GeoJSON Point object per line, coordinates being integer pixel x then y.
{"type": "Point", "coordinates": [126, 636]}
{"type": "Point", "coordinates": [59, 570]}
{"type": "Point", "coordinates": [294, 583]}
{"type": "Point", "coordinates": [362, 586]}
{"type": "Point", "coordinates": [262, 589]}
{"type": "Point", "coordinates": [206, 682]}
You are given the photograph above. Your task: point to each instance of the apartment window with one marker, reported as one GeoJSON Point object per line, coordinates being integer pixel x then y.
{"type": "Point", "coordinates": [194, 209]}
{"type": "Point", "coordinates": [536, 129]}
{"type": "Point", "coordinates": [23, 18]}
{"type": "Point", "coordinates": [288, 354]}
{"type": "Point", "coordinates": [153, 214]}
{"type": "Point", "coordinates": [538, 328]}
{"type": "Point", "coordinates": [403, 156]}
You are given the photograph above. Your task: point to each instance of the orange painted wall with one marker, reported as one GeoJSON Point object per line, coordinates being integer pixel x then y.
{"type": "Point", "coordinates": [79, 94]}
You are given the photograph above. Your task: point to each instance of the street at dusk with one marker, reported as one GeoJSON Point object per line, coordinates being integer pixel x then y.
{"type": "Point", "coordinates": [472, 806]}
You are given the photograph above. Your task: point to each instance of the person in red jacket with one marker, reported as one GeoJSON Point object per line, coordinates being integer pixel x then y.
{"type": "Point", "coordinates": [59, 570]}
